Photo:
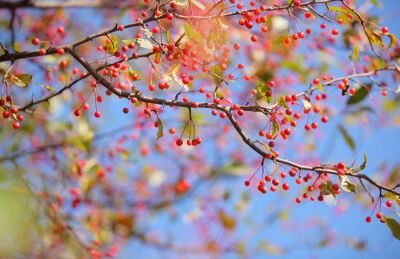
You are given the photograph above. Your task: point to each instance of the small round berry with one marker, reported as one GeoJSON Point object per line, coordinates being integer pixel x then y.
{"type": "Point", "coordinates": [77, 113]}
{"type": "Point", "coordinates": [35, 41]}
{"type": "Point", "coordinates": [285, 186]}
{"type": "Point", "coordinates": [60, 29]}
{"type": "Point", "coordinates": [298, 200]}
{"type": "Point", "coordinates": [14, 110]}
{"type": "Point", "coordinates": [389, 203]}
{"type": "Point", "coordinates": [97, 114]}
{"type": "Point", "coordinates": [171, 130]}
{"type": "Point", "coordinates": [125, 110]}
{"type": "Point", "coordinates": [385, 30]}
{"type": "Point", "coordinates": [16, 125]}
{"type": "Point", "coordinates": [368, 219]}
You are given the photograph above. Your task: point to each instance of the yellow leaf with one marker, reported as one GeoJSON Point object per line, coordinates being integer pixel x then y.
{"type": "Point", "coordinates": [17, 47]}
{"type": "Point", "coordinates": [376, 39]}
{"type": "Point", "coordinates": [356, 51]}
{"type": "Point", "coordinates": [393, 39]}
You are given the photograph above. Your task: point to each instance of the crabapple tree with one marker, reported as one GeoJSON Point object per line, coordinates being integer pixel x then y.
{"type": "Point", "coordinates": [116, 112]}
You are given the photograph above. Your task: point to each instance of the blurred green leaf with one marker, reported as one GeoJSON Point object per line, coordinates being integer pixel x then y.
{"type": "Point", "coordinates": [113, 46]}
{"type": "Point", "coordinates": [347, 137]}
{"type": "Point", "coordinates": [275, 129]}
{"type": "Point", "coordinates": [282, 102]}
{"type": "Point", "coordinates": [359, 95]}
{"type": "Point", "coordinates": [217, 74]}
{"type": "Point", "coordinates": [17, 47]}
{"type": "Point", "coordinates": [394, 226]}
{"type": "Point", "coordinates": [191, 32]}
{"type": "Point", "coordinates": [160, 128]}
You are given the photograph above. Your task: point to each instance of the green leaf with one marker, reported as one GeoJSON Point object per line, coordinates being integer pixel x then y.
{"type": "Point", "coordinates": [112, 48]}
{"type": "Point", "coordinates": [359, 95]}
{"type": "Point", "coordinates": [171, 72]}
{"type": "Point", "coordinates": [17, 47]}
{"type": "Point", "coordinates": [376, 39]}
{"type": "Point", "coordinates": [347, 186]}
{"type": "Point", "coordinates": [356, 51]}
{"type": "Point", "coordinates": [14, 80]}
{"type": "Point", "coordinates": [143, 43]}
{"type": "Point", "coordinates": [109, 73]}
{"type": "Point", "coordinates": [168, 34]}
{"type": "Point", "coordinates": [282, 102]}
{"type": "Point", "coordinates": [158, 56]}
{"type": "Point", "coordinates": [147, 32]}
{"type": "Point", "coordinates": [198, 4]}
{"type": "Point", "coordinates": [160, 129]}
{"type": "Point", "coordinates": [290, 2]}
{"type": "Point", "coordinates": [217, 74]}
{"type": "Point", "coordinates": [4, 68]}
{"type": "Point", "coordinates": [263, 89]}
{"type": "Point", "coordinates": [45, 86]}
{"type": "Point", "coordinates": [393, 39]}
{"type": "Point", "coordinates": [320, 87]}
{"type": "Point", "coordinates": [347, 137]}
{"type": "Point", "coordinates": [394, 226]}
{"type": "Point", "coordinates": [235, 168]}
{"type": "Point", "coordinates": [127, 42]}
{"type": "Point", "coordinates": [327, 189]}
{"type": "Point", "coordinates": [190, 32]}
{"type": "Point", "coordinates": [22, 80]}
{"type": "Point", "coordinates": [288, 118]}
{"type": "Point", "coordinates": [342, 10]}
{"type": "Point", "coordinates": [364, 164]}
{"type": "Point", "coordinates": [391, 196]}
{"type": "Point", "coordinates": [376, 2]}
{"type": "Point", "coordinates": [275, 129]}
{"type": "Point", "coordinates": [307, 105]}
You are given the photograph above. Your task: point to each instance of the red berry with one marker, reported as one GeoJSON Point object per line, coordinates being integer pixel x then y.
{"type": "Point", "coordinates": [16, 125]}
{"type": "Point", "coordinates": [389, 203]}
{"type": "Point", "coordinates": [77, 113]}
{"type": "Point", "coordinates": [385, 30]}
{"type": "Point", "coordinates": [60, 29]}
{"type": "Point", "coordinates": [368, 219]}
{"type": "Point", "coordinates": [170, 16]}
{"type": "Point", "coordinates": [97, 114]}
{"type": "Point", "coordinates": [285, 186]}
{"type": "Point", "coordinates": [35, 41]}
{"type": "Point", "coordinates": [298, 199]}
